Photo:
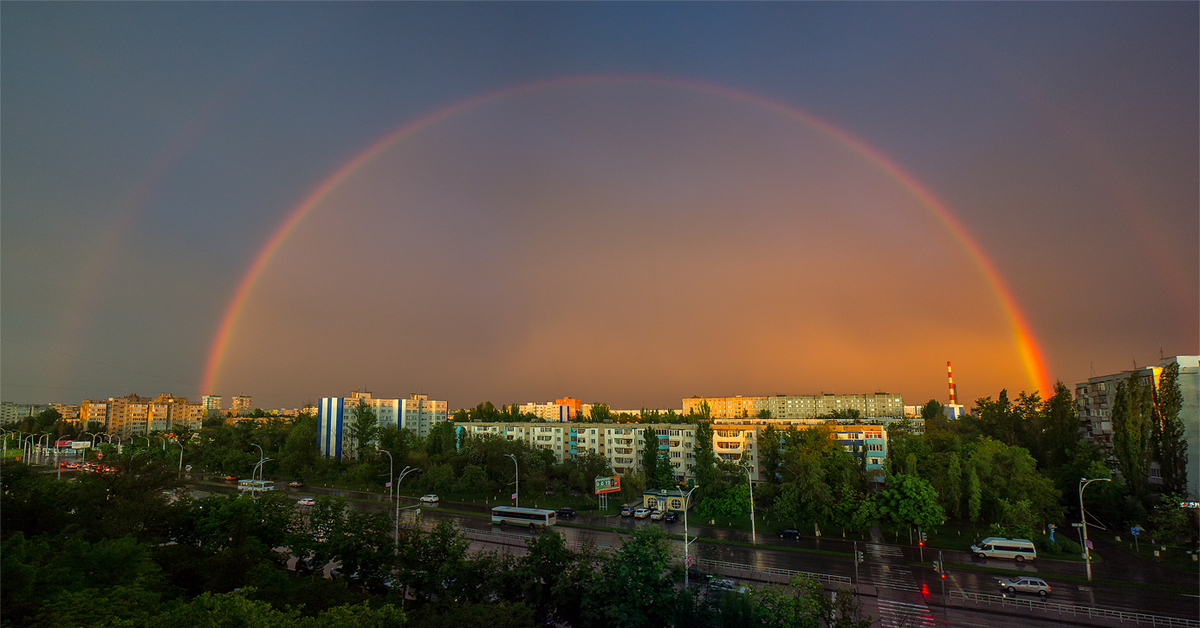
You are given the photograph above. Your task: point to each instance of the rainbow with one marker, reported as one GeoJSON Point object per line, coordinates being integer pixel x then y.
{"type": "Point", "coordinates": [1026, 344]}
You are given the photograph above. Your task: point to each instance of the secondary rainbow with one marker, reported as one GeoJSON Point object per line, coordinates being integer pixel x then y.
{"type": "Point", "coordinates": [1026, 345]}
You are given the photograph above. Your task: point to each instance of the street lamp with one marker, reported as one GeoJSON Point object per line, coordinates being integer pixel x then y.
{"type": "Point", "coordinates": [1087, 555]}
{"type": "Point", "coordinates": [517, 490]}
{"type": "Point", "coordinates": [390, 476]}
{"type": "Point", "coordinates": [687, 562]}
{"type": "Point", "coordinates": [261, 458]}
{"type": "Point", "coordinates": [396, 532]}
{"type": "Point", "coordinates": [750, 480]}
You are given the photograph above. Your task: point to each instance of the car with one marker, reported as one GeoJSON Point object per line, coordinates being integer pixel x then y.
{"type": "Point", "coordinates": [671, 516]}
{"type": "Point", "coordinates": [295, 484]}
{"type": "Point", "coordinates": [626, 511]}
{"type": "Point", "coordinates": [656, 515]}
{"type": "Point", "coordinates": [565, 511]}
{"type": "Point", "coordinates": [1025, 584]}
{"type": "Point", "coordinates": [231, 479]}
{"type": "Point", "coordinates": [723, 585]}
{"type": "Point", "coordinates": [307, 501]}
{"type": "Point", "coordinates": [429, 499]}
{"type": "Point", "coordinates": [790, 533]}
{"type": "Point", "coordinates": [641, 513]}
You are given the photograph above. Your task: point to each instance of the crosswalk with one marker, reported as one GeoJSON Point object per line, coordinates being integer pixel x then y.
{"type": "Point", "coordinates": [879, 550]}
{"type": "Point", "coordinates": [897, 614]}
{"type": "Point", "coordinates": [893, 577]}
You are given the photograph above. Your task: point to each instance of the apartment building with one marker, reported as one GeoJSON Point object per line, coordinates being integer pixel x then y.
{"type": "Point", "coordinates": [239, 404]}
{"type": "Point", "coordinates": [417, 414]}
{"type": "Point", "coordinates": [560, 411]}
{"type": "Point", "coordinates": [1095, 400]}
{"type": "Point", "coordinates": [880, 405]}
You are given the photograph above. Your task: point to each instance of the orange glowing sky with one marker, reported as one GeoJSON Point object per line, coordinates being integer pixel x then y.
{"type": "Point", "coordinates": [627, 203]}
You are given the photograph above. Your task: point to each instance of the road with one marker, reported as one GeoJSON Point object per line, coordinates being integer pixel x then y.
{"type": "Point", "coordinates": [893, 579]}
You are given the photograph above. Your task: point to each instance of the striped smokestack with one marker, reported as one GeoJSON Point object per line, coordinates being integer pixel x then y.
{"type": "Point", "coordinates": [950, 376]}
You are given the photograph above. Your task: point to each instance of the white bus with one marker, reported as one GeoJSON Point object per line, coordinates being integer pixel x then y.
{"type": "Point", "coordinates": [532, 517]}
{"type": "Point", "coordinates": [256, 486]}
{"type": "Point", "coordinates": [998, 547]}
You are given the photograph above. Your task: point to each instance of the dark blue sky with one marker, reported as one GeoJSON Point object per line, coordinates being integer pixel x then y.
{"type": "Point", "coordinates": [149, 150]}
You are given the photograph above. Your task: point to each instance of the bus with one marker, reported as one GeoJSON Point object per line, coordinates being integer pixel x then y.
{"type": "Point", "coordinates": [256, 486]}
{"type": "Point", "coordinates": [533, 517]}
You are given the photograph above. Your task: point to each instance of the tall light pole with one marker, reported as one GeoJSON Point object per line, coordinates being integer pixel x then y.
{"type": "Point", "coordinates": [517, 490]}
{"type": "Point", "coordinates": [750, 481]}
{"type": "Point", "coordinates": [1087, 554]}
{"type": "Point", "coordinates": [261, 458]}
{"type": "Point", "coordinates": [396, 532]}
{"type": "Point", "coordinates": [390, 476]}
{"type": "Point", "coordinates": [687, 562]}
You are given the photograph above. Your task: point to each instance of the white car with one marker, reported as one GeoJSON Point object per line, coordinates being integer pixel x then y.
{"type": "Point", "coordinates": [429, 499]}
{"type": "Point", "coordinates": [656, 515]}
{"type": "Point", "coordinates": [641, 513]}
{"type": "Point", "coordinates": [1025, 584]}
{"type": "Point", "coordinates": [307, 501]}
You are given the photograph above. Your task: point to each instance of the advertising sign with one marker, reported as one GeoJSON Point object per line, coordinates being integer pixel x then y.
{"type": "Point", "coordinates": [608, 485]}
{"type": "Point", "coordinates": [81, 444]}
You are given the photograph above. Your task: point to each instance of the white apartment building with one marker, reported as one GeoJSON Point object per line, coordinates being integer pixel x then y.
{"type": "Point", "coordinates": [418, 414]}
{"type": "Point", "coordinates": [878, 405]}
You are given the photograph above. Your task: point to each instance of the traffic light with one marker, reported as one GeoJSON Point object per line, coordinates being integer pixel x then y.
{"type": "Point", "coordinates": [921, 542]}
{"type": "Point", "coordinates": [858, 557]}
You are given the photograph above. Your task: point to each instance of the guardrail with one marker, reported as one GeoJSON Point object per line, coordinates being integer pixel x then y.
{"type": "Point", "coordinates": [1077, 611]}
{"type": "Point", "coordinates": [787, 574]}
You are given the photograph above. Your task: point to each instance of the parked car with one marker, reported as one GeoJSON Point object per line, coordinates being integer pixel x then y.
{"type": "Point", "coordinates": [671, 516]}
{"type": "Point", "coordinates": [565, 511]}
{"type": "Point", "coordinates": [641, 513]}
{"type": "Point", "coordinates": [656, 515]}
{"type": "Point", "coordinates": [307, 501]}
{"type": "Point", "coordinates": [1025, 584]}
{"type": "Point", "coordinates": [626, 511]}
{"type": "Point", "coordinates": [790, 533]}
{"type": "Point", "coordinates": [429, 499]}
{"type": "Point", "coordinates": [721, 584]}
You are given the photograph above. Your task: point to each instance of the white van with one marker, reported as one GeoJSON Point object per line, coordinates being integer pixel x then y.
{"type": "Point", "coordinates": [998, 547]}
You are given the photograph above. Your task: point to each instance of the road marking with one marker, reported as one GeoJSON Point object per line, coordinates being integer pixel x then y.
{"type": "Point", "coordinates": [897, 614]}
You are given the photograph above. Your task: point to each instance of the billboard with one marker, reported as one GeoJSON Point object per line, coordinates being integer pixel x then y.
{"type": "Point", "coordinates": [608, 485]}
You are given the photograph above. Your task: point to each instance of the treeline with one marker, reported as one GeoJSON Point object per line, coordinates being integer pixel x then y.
{"type": "Point", "coordinates": [131, 550]}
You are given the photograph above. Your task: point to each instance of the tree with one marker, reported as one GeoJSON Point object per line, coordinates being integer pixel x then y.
{"type": "Point", "coordinates": [364, 427]}
{"type": "Point", "coordinates": [1060, 428]}
{"type": "Point", "coordinates": [650, 456]}
{"type": "Point", "coordinates": [600, 413]}
{"type": "Point", "coordinates": [804, 604]}
{"type": "Point", "coordinates": [1132, 415]}
{"type": "Point", "coordinates": [1169, 442]}
{"type": "Point", "coordinates": [636, 587]}
{"type": "Point", "coordinates": [910, 500]}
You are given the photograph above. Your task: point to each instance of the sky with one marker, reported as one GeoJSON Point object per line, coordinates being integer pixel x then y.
{"type": "Point", "coordinates": [625, 203]}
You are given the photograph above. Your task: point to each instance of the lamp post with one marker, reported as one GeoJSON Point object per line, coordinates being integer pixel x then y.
{"type": "Point", "coordinates": [750, 481]}
{"type": "Point", "coordinates": [1087, 554]}
{"type": "Point", "coordinates": [517, 490]}
{"type": "Point", "coordinates": [390, 476]}
{"type": "Point", "coordinates": [687, 561]}
{"type": "Point", "coordinates": [396, 532]}
{"type": "Point", "coordinates": [261, 458]}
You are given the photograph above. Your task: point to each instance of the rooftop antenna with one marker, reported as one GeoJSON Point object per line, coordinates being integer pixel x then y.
{"type": "Point", "coordinates": [1092, 368]}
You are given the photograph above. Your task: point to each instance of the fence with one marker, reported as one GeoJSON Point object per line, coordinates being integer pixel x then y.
{"type": "Point", "coordinates": [1076, 611]}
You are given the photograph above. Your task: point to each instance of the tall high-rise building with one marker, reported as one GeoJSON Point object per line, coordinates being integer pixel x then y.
{"type": "Point", "coordinates": [239, 404]}
{"type": "Point", "coordinates": [211, 402]}
{"type": "Point", "coordinates": [417, 414]}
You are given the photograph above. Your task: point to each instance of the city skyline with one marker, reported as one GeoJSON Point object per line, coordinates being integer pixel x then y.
{"type": "Point", "coordinates": [627, 204]}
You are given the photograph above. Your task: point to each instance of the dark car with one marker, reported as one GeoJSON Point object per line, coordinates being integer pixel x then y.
{"type": "Point", "coordinates": [671, 516]}
{"type": "Point", "coordinates": [565, 511]}
{"type": "Point", "coordinates": [790, 533]}
{"type": "Point", "coordinates": [626, 511]}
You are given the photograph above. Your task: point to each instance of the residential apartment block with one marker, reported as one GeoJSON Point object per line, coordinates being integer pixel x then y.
{"type": "Point", "coordinates": [622, 444]}
{"type": "Point", "coordinates": [239, 404]}
{"type": "Point", "coordinates": [878, 405]}
{"type": "Point", "coordinates": [132, 414]}
{"type": "Point", "coordinates": [418, 414]}
{"type": "Point", "coordinates": [1095, 399]}
{"type": "Point", "coordinates": [561, 411]}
